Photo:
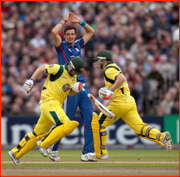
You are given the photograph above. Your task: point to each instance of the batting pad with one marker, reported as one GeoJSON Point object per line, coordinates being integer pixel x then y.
{"type": "Point", "coordinates": [30, 145]}
{"type": "Point", "coordinates": [58, 133]}
{"type": "Point", "coordinates": [96, 134]}
{"type": "Point", "coordinates": [156, 141]}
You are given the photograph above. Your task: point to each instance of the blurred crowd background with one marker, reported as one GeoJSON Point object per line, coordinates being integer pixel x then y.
{"type": "Point", "coordinates": [142, 36]}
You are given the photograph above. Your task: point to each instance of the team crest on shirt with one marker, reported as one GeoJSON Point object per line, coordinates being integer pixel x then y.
{"type": "Point", "coordinates": [66, 87]}
{"type": "Point", "coordinates": [51, 66]}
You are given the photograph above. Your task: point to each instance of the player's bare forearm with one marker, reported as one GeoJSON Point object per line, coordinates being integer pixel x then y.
{"type": "Point", "coordinates": [38, 72]}
{"type": "Point", "coordinates": [89, 33]}
{"type": "Point", "coordinates": [72, 92]}
{"type": "Point", "coordinates": [55, 33]}
{"type": "Point", "coordinates": [119, 81]}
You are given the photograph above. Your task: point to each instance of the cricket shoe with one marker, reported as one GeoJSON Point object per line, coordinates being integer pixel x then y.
{"type": "Point", "coordinates": [89, 157]}
{"type": "Point", "coordinates": [167, 141]}
{"type": "Point", "coordinates": [104, 157]}
{"type": "Point", "coordinates": [43, 151]}
{"type": "Point", "coordinates": [13, 157]}
{"type": "Point", "coordinates": [53, 155]}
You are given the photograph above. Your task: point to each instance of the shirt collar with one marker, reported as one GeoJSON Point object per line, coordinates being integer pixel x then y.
{"type": "Point", "coordinates": [75, 45]}
{"type": "Point", "coordinates": [66, 66]}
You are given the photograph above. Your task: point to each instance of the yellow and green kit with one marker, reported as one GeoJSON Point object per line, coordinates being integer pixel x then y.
{"type": "Point", "coordinates": [123, 106]}
{"type": "Point", "coordinates": [54, 91]}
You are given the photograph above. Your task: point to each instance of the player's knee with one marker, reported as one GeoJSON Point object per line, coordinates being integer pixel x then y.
{"type": "Point", "coordinates": [103, 131]}
{"type": "Point", "coordinates": [30, 135]}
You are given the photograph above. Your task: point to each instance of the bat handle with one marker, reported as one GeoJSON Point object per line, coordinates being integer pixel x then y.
{"type": "Point", "coordinates": [84, 90]}
{"type": "Point", "coordinates": [88, 94]}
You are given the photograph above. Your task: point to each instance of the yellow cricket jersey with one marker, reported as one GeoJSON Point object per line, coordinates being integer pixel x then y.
{"type": "Point", "coordinates": [121, 94]}
{"type": "Point", "coordinates": [57, 84]}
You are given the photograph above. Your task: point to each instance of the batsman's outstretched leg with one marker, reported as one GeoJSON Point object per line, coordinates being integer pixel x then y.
{"type": "Point", "coordinates": [143, 130]}
{"type": "Point", "coordinates": [14, 159]}
{"type": "Point", "coordinates": [26, 144]}
{"type": "Point", "coordinates": [167, 141]}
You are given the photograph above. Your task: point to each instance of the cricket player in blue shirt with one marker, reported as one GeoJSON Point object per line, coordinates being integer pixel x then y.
{"type": "Point", "coordinates": [66, 50]}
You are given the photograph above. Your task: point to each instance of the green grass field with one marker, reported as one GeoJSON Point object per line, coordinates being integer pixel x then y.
{"type": "Point", "coordinates": [120, 163]}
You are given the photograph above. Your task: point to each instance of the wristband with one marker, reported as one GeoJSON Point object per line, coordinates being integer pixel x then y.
{"type": "Point", "coordinates": [82, 23]}
{"type": "Point", "coordinates": [64, 20]}
{"type": "Point", "coordinates": [111, 89]}
{"type": "Point", "coordinates": [61, 23]}
{"type": "Point", "coordinates": [32, 80]}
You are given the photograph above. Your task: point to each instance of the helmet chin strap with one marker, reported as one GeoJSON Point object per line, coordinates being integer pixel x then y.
{"type": "Point", "coordinates": [70, 70]}
{"type": "Point", "coordinates": [100, 61]}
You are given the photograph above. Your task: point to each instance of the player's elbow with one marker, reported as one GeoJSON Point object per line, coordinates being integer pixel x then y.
{"type": "Point", "coordinates": [92, 32]}
{"type": "Point", "coordinates": [54, 32]}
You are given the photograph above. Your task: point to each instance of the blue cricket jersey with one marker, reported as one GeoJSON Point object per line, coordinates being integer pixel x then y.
{"type": "Point", "coordinates": [65, 52]}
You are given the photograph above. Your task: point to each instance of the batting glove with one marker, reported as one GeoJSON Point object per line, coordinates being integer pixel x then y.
{"type": "Point", "coordinates": [28, 85]}
{"type": "Point", "coordinates": [78, 86]}
{"type": "Point", "coordinates": [105, 94]}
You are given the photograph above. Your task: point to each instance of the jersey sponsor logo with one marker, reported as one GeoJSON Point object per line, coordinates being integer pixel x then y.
{"type": "Point", "coordinates": [66, 87]}
{"type": "Point", "coordinates": [64, 77]}
{"type": "Point", "coordinates": [73, 81]}
{"type": "Point", "coordinates": [51, 66]}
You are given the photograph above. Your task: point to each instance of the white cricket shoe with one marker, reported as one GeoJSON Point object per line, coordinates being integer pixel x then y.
{"type": "Point", "coordinates": [43, 151]}
{"type": "Point", "coordinates": [89, 157]}
{"type": "Point", "coordinates": [53, 155]}
{"type": "Point", "coordinates": [167, 141]}
{"type": "Point", "coordinates": [13, 157]}
{"type": "Point", "coordinates": [104, 157]}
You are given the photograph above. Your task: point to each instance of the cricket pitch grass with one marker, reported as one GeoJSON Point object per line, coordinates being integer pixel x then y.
{"type": "Point", "coordinates": [128, 162]}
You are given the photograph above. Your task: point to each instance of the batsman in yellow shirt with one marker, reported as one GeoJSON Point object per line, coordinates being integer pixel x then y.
{"type": "Point", "coordinates": [123, 105]}
{"type": "Point", "coordinates": [60, 82]}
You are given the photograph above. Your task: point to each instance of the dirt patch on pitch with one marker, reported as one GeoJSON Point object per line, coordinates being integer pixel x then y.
{"type": "Point", "coordinates": [99, 162]}
{"type": "Point", "coordinates": [18, 170]}
{"type": "Point", "coordinates": [74, 171]}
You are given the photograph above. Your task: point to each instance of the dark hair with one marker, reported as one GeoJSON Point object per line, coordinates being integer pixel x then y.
{"type": "Point", "coordinates": [69, 28]}
{"type": "Point", "coordinates": [109, 60]}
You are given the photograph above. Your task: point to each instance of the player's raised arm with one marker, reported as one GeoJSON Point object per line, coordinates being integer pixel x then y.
{"type": "Point", "coordinates": [55, 32]}
{"type": "Point", "coordinates": [89, 31]}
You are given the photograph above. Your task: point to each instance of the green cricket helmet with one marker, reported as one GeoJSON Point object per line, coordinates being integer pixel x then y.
{"type": "Point", "coordinates": [77, 64]}
{"type": "Point", "coordinates": [103, 55]}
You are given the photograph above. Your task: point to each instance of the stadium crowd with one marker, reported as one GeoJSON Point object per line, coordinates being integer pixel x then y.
{"type": "Point", "coordinates": [142, 36]}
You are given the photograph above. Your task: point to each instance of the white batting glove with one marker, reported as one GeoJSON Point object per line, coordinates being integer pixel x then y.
{"type": "Point", "coordinates": [78, 86]}
{"type": "Point", "coordinates": [28, 85]}
{"type": "Point", "coordinates": [105, 94]}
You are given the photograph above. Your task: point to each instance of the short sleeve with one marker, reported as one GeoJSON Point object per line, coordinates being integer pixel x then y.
{"type": "Point", "coordinates": [81, 41]}
{"type": "Point", "coordinates": [52, 69]}
{"type": "Point", "coordinates": [58, 49]}
{"type": "Point", "coordinates": [111, 73]}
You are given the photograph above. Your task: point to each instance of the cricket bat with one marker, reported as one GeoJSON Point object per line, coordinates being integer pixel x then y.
{"type": "Point", "coordinates": [100, 106]}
